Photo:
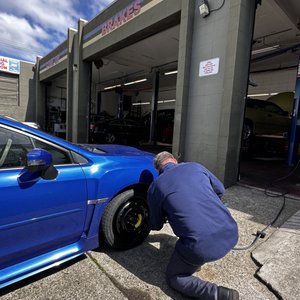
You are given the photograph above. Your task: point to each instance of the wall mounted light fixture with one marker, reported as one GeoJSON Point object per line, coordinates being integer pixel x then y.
{"type": "Point", "coordinates": [203, 8]}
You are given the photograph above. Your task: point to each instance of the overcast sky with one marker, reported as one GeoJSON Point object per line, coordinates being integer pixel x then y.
{"type": "Point", "coordinates": [34, 27]}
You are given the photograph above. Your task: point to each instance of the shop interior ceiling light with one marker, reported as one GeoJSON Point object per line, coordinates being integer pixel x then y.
{"type": "Point", "coordinates": [136, 81]}
{"type": "Point", "coordinates": [171, 72]}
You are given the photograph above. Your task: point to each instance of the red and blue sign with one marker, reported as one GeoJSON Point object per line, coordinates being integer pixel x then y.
{"type": "Point", "coordinates": [9, 65]}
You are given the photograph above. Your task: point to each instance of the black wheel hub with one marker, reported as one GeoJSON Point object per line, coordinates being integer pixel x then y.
{"type": "Point", "coordinates": [130, 219]}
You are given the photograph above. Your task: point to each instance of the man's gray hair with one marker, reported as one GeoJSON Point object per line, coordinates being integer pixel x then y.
{"type": "Point", "coordinates": [160, 158]}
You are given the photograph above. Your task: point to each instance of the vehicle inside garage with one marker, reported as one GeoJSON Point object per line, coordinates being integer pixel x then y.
{"type": "Point", "coordinates": [125, 84]}
{"type": "Point", "coordinates": [269, 151]}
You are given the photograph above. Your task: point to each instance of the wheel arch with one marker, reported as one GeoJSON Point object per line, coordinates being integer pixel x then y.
{"type": "Point", "coordinates": [140, 188]}
{"type": "Point", "coordinates": [139, 181]}
{"type": "Point", "coordinates": [117, 181]}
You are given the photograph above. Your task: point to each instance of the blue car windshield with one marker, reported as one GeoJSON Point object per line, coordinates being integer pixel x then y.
{"type": "Point", "coordinates": [91, 148]}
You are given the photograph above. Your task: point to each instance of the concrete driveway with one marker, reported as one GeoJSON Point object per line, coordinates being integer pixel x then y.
{"type": "Point", "coordinates": [138, 273]}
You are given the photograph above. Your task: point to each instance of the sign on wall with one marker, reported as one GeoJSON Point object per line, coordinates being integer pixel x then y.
{"type": "Point", "coordinates": [209, 67]}
{"type": "Point", "coordinates": [132, 10]}
{"type": "Point", "coordinates": [119, 19]}
{"type": "Point", "coordinates": [9, 65]}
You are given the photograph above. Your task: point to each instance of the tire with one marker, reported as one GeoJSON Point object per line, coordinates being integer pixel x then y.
{"type": "Point", "coordinates": [124, 223]}
{"type": "Point", "coordinates": [110, 138]}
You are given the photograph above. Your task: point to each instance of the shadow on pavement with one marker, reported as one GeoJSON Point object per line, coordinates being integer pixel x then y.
{"type": "Point", "coordinates": [148, 262]}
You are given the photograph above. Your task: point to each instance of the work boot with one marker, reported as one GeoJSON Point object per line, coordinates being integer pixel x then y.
{"type": "Point", "coordinates": [227, 294]}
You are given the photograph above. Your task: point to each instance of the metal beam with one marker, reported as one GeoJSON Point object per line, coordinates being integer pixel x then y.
{"type": "Point", "coordinates": [294, 134]}
{"type": "Point", "coordinates": [275, 53]}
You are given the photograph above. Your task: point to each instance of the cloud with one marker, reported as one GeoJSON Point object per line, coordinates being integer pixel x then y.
{"type": "Point", "coordinates": [56, 15]}
{"type": "Point", "coordinates": [35, 27]}
{"type": "Point", "coordinates": [27, 41]}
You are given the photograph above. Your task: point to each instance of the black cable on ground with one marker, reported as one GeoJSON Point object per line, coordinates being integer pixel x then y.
{"type": "Point", "coordinates": [260, 234]}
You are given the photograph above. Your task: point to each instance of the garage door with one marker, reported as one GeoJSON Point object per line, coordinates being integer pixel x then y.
{"type": "Point", "coordinates": [9, 89]}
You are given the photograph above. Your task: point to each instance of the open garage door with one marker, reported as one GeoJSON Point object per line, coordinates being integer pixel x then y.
{"type": "Point", "coordinates": [268, 109]}
{"type": "Point", "coordinates": [56, 106]}
{"type": "Point", "coordinates": [125, 87]}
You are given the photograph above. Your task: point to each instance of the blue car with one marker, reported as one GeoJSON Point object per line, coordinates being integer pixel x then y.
{"type": "Point", "coordinates": [58, 199]}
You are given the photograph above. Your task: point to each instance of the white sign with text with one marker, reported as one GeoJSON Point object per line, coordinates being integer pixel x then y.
{"type": "Point", "coordinates": [209, 67]}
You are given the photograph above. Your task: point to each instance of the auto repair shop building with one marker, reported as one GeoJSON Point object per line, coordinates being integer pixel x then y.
{"type": "Point", "coordinates": [120, 58]}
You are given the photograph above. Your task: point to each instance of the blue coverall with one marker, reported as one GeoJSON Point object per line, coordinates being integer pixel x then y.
{"type": "Point", "coordinates": [188, 195]}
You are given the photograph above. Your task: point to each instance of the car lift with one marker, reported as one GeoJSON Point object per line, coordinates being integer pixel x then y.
{"type": "Point", "coordinates": [295, 124]}
{"type": "Point", "coordinates": [270, 145]}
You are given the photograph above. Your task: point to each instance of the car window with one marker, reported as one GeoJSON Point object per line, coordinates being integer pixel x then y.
{"type": "Point", "coordinates": [91, 148]}
{"type": "Point", "coordinates": [59, 156]}
{"type": "Point", "coordinates": [257, 104]}
{"type": "Point", "coordinates": [13, 148]}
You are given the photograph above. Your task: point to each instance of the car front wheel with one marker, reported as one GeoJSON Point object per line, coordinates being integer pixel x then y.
{"type": "Point", "coordinates": [124, 223]}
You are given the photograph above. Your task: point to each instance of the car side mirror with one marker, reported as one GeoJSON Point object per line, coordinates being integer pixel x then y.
{"type": "Point", "coordinates": [40, 161]}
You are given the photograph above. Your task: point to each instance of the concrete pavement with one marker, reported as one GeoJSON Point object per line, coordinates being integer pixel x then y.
{"type": "Point", "coordinates": [138, 273]}
{"type": "Point", "coordinates": [279, 258]}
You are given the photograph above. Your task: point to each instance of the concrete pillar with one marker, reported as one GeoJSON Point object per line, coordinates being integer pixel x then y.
{"type": "Point", "coordinates": [214, 104]}
{"type": "Point", "coordinates": [70, 70]}
{"type": "Point", "coordinates": [183, 76]}
{"type": "Point", "coordinates": [81, 90]}
{"type": "Point", "coordinates": [154, 104]}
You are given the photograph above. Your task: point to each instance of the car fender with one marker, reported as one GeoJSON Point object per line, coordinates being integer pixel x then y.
{"type": "Point", "coordinates": [105, 186]}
